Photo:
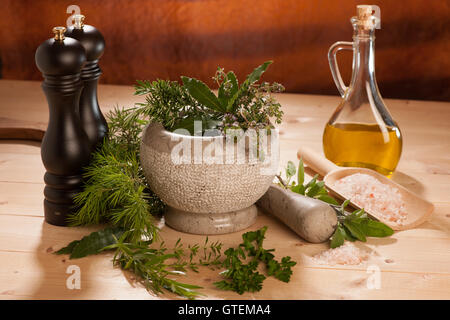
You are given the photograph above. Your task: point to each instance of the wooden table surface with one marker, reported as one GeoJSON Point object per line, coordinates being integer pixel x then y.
{"type": "Point", "coordinates": [413, 264]}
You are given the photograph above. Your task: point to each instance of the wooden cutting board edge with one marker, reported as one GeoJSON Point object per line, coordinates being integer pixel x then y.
{"type": "Point", "coordinates": [12, 129]}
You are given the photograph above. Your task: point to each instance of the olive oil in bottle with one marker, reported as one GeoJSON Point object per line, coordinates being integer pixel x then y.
{"type": "Point", "coordinates": [361, 132]}
{"type": "Point", "coordinates": [363, 145]}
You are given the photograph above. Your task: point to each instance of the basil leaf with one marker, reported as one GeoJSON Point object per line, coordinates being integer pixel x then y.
{"type": "Point", "coordinates": [348, 236]}
{"type": "Point", "coordinates": [312, 181]}
{"type": "Point", "coordinates": [355, 230]}
{"type": "Point", "coordinates": [328, 199]}
{"type": "Point", "coordinates": [337, 239]}
{"type": "Point", "coordinates": [200, 92]}
{"type": "Point", "coordinates": [300, 189]}
{"type": "Point", "coordinates": [315, 189]}
{"type": "Point", "coordinates": [374, 228]}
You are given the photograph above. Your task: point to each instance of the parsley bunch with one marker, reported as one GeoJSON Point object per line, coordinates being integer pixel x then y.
{"type": "Point", "coordinates": [241, 276]}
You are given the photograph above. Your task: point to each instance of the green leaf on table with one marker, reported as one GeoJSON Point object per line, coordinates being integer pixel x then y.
{"type": "Point", "coordinates": [355, 230]}
{"type": "Point", "coordinates": [373, 228]}
{"type": "Point", "coordinates": [92, 244]}
{"type": "Point", "coordinates": [337, 238]}
{"type": "Point", "coordinates": [69, 248]}
{"type": "Point", "coordinates": [201, 92]}
{"type": "Point", "coordinates": [347, 235]}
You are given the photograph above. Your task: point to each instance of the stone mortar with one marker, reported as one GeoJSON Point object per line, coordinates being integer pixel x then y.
{"type": "Point", "coordinates": [194, 188]}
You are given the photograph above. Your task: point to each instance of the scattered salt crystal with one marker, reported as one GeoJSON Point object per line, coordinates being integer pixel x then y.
{"type": "Point", "coordinates": [374, 196]}
{"type": "Point", "coordinates": [347, 254]}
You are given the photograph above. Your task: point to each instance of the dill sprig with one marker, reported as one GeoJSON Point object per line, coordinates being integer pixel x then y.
{"type": "Point", "coordinates": [115, 188]}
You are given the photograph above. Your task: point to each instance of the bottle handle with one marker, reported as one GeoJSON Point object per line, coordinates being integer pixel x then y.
{"type": "Point", "coordinates": [341, 45]}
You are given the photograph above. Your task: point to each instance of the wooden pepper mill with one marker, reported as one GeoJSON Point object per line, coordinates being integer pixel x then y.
{"type": "Point", "coordinates": [92, 119]}
{"type": "Point", "coordinates": [65, 146]}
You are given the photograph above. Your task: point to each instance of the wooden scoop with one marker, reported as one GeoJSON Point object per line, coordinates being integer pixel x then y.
{"type": "Point", "coordinates": [418, 210]}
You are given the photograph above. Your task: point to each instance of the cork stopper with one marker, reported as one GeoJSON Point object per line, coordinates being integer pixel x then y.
{"type": "Point", "coordinates": [59, 33]}
{"type": "Point", "coordinates": [366, 18]}
{"type": "Point", "coordinates": [78, 21]}
{"type": "Point", "coordinates": [364, 11]}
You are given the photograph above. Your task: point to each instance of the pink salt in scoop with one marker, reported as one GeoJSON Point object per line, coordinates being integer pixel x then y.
{"type": "Point", "coordinates": [380, 197]}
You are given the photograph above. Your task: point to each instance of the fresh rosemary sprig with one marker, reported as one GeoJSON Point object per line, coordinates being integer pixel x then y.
{"type": "Point", "coordinates": [351, 226]}
{"type": "Point", "coordinates": [169, 103]}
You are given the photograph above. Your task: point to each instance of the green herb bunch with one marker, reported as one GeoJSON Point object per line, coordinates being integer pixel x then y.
{"type": "Point", "coordinates": [115, 189]}
{"type": "Point", "coordinates": [351, 226]}
{"type": "Point", "coordinates": [171, 104]}
{"type": "Point", "coordinates": [357, 226]}
{"type": "Point", "coordinates": [313, 189]}
{"type": "Point", "coordinates": [156, 266]}
{"type": "Point", "coordinates": [242, 275]}
{"type": "Point", "coordinates": [245, 105]}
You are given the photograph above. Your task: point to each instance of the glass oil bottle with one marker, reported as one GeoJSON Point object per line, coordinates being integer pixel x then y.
{"type": "Point", "coordinates": [361, 132]}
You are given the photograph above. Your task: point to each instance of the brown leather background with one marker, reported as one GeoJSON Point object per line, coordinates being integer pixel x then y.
{"type": "Point", "coordinates": [149, 39]}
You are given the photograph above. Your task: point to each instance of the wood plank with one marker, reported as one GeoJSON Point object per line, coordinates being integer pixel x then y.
{"type": "Point", "coordinates": [43, 276]}
{"type": "Point", "coordinates": [26, 168]}
{"type": "Point", "coordinates": [21, 198]}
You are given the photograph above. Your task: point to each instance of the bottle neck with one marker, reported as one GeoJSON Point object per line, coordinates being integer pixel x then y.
{"type": "Point", "coordinates": [363, 61]}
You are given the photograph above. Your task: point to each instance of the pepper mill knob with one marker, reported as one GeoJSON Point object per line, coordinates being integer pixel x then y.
{"type": "Point", "coordinates": [92, 40]}
{"type": "Point", "coordinates": [59, 33]}
{"type": "Point", "coordinates": [78, 20]}
{"type": "Point", "coordinates": [65, 146]}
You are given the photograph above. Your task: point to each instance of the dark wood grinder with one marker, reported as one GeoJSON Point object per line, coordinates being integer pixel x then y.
{"type": "Point", "coordinates": [65, 145]}
{"type": "Point", "coordinates": [92, 119]}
